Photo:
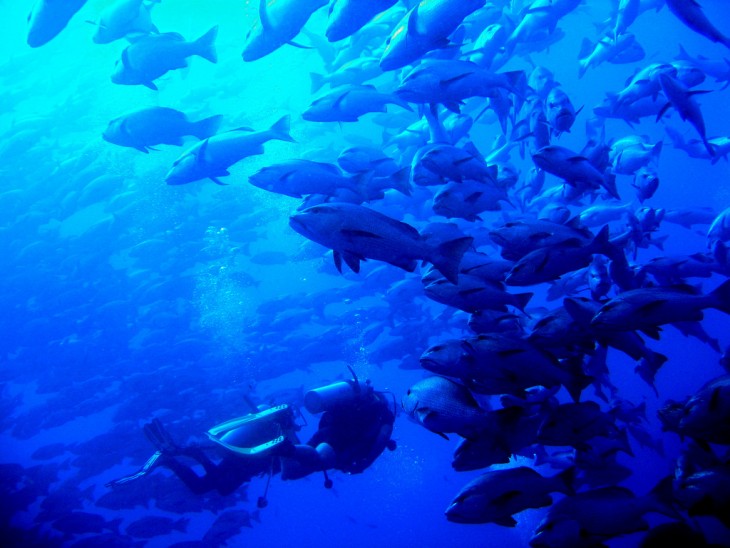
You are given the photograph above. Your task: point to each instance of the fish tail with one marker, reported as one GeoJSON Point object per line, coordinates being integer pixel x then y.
{"type": "Point", "coordinates": [448, 257]}
{"type": "Point", "coordinates": [113, 525]}
{"type": "Point", "coordinates": [207, 127]}
{"type": "Point", "coordinates": [649, 366]}
{"type": "Point", "coordinates": [401, 181]}
{"type": "Point", "coordinates": [720, 297]}
{"type": "Point", "coordinates": [566, 481]}
{"type": "Point", "coordinates": [521, 300]}
{"type": "Point", "coordinates": [317, 82]}
{"type": "Point", "coordinates": [181, 525]}
{"type": "Point", "coordinates": [662, 498]}
{"type": "Point", "coordinates": [280, 129]}
{"type": "Point", "coordinates": [205, 45]}
{"type": "Point", "coordinates": [609, 183]}
{"type": "Point", "coordinates": [575, 383]}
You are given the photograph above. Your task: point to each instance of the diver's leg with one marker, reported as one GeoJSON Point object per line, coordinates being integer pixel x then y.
{"type": "Point", "coordinates": [192, 481]}
{"type": "Point", "coordinates": [305, 460]}
{"type": "Point", "coordinates": [199, 456]}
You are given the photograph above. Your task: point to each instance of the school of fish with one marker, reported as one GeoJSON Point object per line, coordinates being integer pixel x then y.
{"type": "Point", "coordinates": [514, 239]}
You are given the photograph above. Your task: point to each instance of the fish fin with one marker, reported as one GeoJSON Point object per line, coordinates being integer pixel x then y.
{"type": "Point", "coordinates": [317, 82]}
{"type": "Point", "coordinates": [539, 236]}
{"type": "Point", "coordinates": [453, 106]}
{"type": "Point", "coordinates": [338, 260]}
{"type": "Point", "coordinates": [652, 332]}
{"type": "Point", "coordinates": [466, 158]}
{"type": "Point", "coordinates": [143, 149]}
{"type": "Point", "coordinates": [413, 21]}
{"type": "Point", "coordinates": [264, 17]}
{"type": "Point", "coordinates": [280, 129]}
{"type": "Point", "coordinates": [506, 521]}
{"type": "Point", "coordinates": [578, 159]}
{"type": "Point", "coordinates": [205, 45]}
{"type": "Point", "coordinates": [447, 82]}
{"type": "Point", "coordinates": [448, 257]}
{"type": "Point", "coordinates": [217, 181]}
{"type": "Point", "coordinates": [586, 47]}
{"type": "Point", "coordinates": [721, 297]}
{"type": "Point", "coordinates": [200, 152]}
{"type": "Point", "coordinates": [150, 85]}
{"type": "Point", "coordinates": [352, 260]}
{"type": "Point", "coordinates": [125, 57]}
{"type": "Point", "coordinates": [297, 45]}
{"type": "Point", "coordinates": [521, 300]}
{"type": "Point", "coordinates": [207, 127]}
{"type": "Point", "coordinates": [401, 180]}
{"type": "Point", "coordinates": [359, 234]}
{"type": "Point", "coordinates": [662, 111]}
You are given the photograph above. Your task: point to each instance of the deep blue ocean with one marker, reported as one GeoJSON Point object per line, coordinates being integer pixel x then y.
{"type": "Point", "coordinates": [125, 299]}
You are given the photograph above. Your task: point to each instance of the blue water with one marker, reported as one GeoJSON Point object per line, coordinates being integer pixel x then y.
{"type": "Point", "coordinates": [126, 299]}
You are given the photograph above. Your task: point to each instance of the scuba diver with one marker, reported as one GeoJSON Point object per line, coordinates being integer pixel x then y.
{"type": "Point", "coordinates": [354, 430]}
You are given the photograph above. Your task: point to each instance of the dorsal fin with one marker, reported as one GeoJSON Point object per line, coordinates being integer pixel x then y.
{"type": "Point", "coordinates": [264, 16]}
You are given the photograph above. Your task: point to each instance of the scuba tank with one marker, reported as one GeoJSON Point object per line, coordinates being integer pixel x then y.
{"type": "Point", "coordinates": [336, 394]}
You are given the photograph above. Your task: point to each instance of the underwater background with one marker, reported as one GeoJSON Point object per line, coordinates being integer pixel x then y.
{"type": "Point", "coordinates": [126, 299]}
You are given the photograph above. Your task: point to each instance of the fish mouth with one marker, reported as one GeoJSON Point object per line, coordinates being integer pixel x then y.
{"type": "Point", "coordinates": [564, 119]}
{"type": "Point", "coordinates": [431, 364]}
{"type": "Point", "coordinates": [296, 222]}
{"type": "Point", "coordinates": [452, 514]}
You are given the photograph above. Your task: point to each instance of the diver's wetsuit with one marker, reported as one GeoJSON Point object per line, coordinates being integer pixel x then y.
{"type": "Point", "coordinates": [358, 432]}
{"type": "Point", "coordinates": [226, 476]}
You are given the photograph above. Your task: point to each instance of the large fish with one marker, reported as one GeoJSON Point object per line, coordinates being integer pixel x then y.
{"type": "Point", "coordinates": [649, 307]}
{"type": "Point", "coordinates": [691, 14]}
{"type": "Point", "coordinates": [346, 17]}
{"type": "Point", "coordinates": [348, 103]}
{"type": "Point", "coordinates": [279, 23]}
{"type": "Point", "coordinates": [625, 49]}
{"type": "Point", "coordinates": [211, 157]}
{"type": "Point", "coordinates": [498, 364]}
{"type": "Point", "coordinates": [147, 127]}
{"type": "Point", "coordinates": [466, 200]}
{"type": "Point", "coordinates": [539, 18]}
{"type": "Point", "coordinates": [444, 406]}
{"type": "Point", "coordinates": [48, 18]}
{"type": "Point", "coordinates": [148, 58]}
{"type": "Point", "coordinates": [705, 416]}
{"type": "Point", "coordinates": [518, 238]}
{"type": "Point", "coordinates": [681, 98]}
{"type": "Point", "coordinates": [592, 517]}
{"type": "Point", "coordinates": [549, 263]}
{"type": "Point", "coordinates": [559, 111]}
{"type": "Point", "coordinates": [717, 68]}
{"type": "Point", "coordinates": [452, 81]}
{"type": "Point", "coordinates": [356, 233]}
{"type": "Point", "coordinates": [124, 19]}
{"type": "Point", "coordinates": [576, 170]}
{"type": "Point", "coordinates": [425, 27]}
{"type": "Point", "coordinates": [495, 496]}
{"type": "Point", "coordinates": [719, 230]}
{"type": "Point", "coordinates": [297, 178]}
{"type": "Point", "coordinates": [471, 293]}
